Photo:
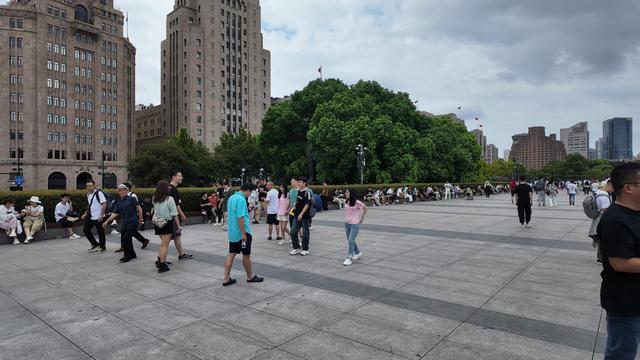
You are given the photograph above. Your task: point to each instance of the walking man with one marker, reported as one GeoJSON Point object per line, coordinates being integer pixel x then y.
{"type": "Point", "coordinates": [540, 186]}
{"type": "Point", "coordinates": [239, 235]}
{"type": "Point", "coordinates": [272, 200]}
{"type": "Point", "coordinates": [176, 179]}
{"type": "Point", "coordinates": [571, 190]}
{"type": "Point", "coordinates": [136, 234]}
{"type": "Point", "coordinates": [619, 234]}
{"type": "Point", "coordinates": [130, 213]}
{"type": "Point", "coordinates": [94, 216]}
{"type": "Point", "coordinates": [524, 199]}
{"type": "Point", "coordinates": [447, 190]}
{"type": "Point", "coordinates": [301, 219]}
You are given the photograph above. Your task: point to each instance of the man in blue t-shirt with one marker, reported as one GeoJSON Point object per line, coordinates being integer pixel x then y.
{"type": "Point", "coordinates": [239, 234]}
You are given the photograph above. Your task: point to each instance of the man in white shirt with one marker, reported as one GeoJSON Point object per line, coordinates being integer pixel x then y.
{"type": "Point", "coordinates": [571, 190]}
{"type": "Point", "coordinates": [94, 216]}
{"type": "Point", "coordinates": [272, 200]}
{"type": "Point", "coordinates": [447, 190]}
{"type": "Point", "coordinates": [63, 208]}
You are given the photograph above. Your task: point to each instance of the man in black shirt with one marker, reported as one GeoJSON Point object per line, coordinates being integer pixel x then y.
{"type": "Point", "coordinates": [524, 198]}
{"type": "Point", "coordinates": [301, 219]}
{"type": "Point", "coordinates": [619, 233]}
{"type": "Point", "coordinates": [176, 179]}
{"type": "Point", "coordinates": [130, 214]}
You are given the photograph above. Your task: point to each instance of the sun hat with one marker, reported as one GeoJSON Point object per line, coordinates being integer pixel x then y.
{"type": "Point", "coordinates": [35, 199]}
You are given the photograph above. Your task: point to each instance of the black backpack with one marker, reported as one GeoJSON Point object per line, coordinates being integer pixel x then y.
{"type": "Point", "coordinates": [539, 185]}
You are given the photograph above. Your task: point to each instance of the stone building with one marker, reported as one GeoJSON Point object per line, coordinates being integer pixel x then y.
{"type": "Point", "coordinates": [535, 150]}
{"type": "Point", "coordinates": [149, 126]}
{"type": "Point", "coordinates": [67, 83]}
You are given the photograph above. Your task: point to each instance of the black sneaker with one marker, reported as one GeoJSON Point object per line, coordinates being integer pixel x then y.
{"type": "Point", "coordinates": [125, 259]}
{"type": "Point", "coordinates": [185, 256]}
{"type": "Point", "coordinates": [163, 267]}
{"type": "Point", "coordinates": [146, 242]}
{"type": "Point", "coordinates": [269, 238]}
{"type": "Point", "coordinates": [279, 238]}
{"type": "Point", "coordinates": [158, 263]}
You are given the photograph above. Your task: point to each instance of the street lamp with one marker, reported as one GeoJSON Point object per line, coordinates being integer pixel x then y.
{"type": "Point", "coordinates": [261, 173]}
{"type": "Point", "coordinates": [362, 162]}
{"type": "Point", "coordinates": [242, 176]}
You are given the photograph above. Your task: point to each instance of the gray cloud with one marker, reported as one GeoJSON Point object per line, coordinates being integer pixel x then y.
{"type": "Point", "coordinates": [513, 63]}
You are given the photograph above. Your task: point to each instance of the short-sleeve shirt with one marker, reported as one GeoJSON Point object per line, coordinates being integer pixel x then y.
{"type": "Point", "coordinates": [523, 191]}
{"type": "Point", "coordinates": [175, 194]}
{"type": "Point", "coordinates": [96, 205]}
{"type": "Point", "coordinates": [127, 209]}
{"type": "Point", "coordinates": [619, 233]}
{"type": "Point", "coordinates": [237, 208]}
{"type": "Point", "coordinates": [62, 210]}
{"type": "Point", "coordinates": [262, 193]}
{"type": "Point", "coordinates": [293, 196]}
{"type": "Point", "coordinates": [571, 188]}
{"type": "Point", "coordinates": [352, 213]}
{"type": "Point", "coordinates": [272, 198]}
{"type": "Point", "coordinates": [302, 200]}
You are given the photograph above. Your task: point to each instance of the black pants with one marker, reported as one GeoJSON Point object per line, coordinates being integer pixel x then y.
{"type": "Point", "coordinates": [207, 210]}
{"type": "Point", "coordinates": [88, 225]}
{"type": "Point", "coordinates": [219, 215]}
{"type": "Point", "coordinates": [136, 234]}
{"type": "Point", "coordinates": [325, 203]}
{"type": "Point", "coordinates": [524, 213]}
{"type": "Point", "coordinates": [126, 235]}
{"type": "Point", "coordinates": [487, 191]}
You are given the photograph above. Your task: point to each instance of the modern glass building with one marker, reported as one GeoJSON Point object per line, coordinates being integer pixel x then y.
{"type": "Point", "coordinates": [617, 135]}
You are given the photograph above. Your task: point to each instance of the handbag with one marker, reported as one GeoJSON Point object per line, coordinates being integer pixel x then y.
{"type": "Point", "coordinates": [158, 221]}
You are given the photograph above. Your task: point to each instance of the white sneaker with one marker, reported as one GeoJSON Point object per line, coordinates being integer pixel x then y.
{"type": "Point", "coordinates": [280, 242]}
{"type": "Point", "coordinates": [304, 253]}
{"type": "Point", "coordinates": [13, 233]}
{"type": "Point", "coordinates": [74, 236]}
{"type": "Point", "coordinates": [310, 227]}
{"type": "Point", "coordinates": [528, 225]}
{"type": "Point", "coordinates": [295, 252]}
{"type": "Point", "coordinates": [357, 256]}
{"type": "Point", "coordinates": [28, 240]}
{"type": "Point", "coordinates": [347, 262]}
{"type": "Point", "coordinates": [115, 232]}
{"type": "Point", "coordinates": [522, 226]}
{"type": "Point", "coordinates": [16, 241]}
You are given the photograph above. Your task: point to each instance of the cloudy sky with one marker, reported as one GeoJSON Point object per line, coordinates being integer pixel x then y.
{"type": "Point", "coordinates": [512, 63]}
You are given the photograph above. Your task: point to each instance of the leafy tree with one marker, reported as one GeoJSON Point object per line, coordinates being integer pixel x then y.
{"type": "Point", "coordinates": [235, 152]}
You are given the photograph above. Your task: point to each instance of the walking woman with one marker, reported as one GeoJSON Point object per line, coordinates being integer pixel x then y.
{"type": "Point", "coordinates": [353, 219]}
{"type": "Point", "coordinates": [165, 217]}
{"type": "Point", "coordinates": [283, 212]}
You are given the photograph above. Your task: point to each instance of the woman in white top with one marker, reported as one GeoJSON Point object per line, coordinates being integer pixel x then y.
{"type": "Point", "coordinates": [164, 208]}
{"type": "Point", "coordinates": [33, 218]}
{"type": "Point", "coordinates": [9, 219]}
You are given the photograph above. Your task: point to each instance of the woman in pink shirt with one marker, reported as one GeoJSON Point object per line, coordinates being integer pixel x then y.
{"type": "Point", "coordinates": [352, 221]}
{"type": "Point", "coordinates": [283, 212]}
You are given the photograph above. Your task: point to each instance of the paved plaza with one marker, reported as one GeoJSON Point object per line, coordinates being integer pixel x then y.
{"type": "Point", "coordinates": [438, 280]}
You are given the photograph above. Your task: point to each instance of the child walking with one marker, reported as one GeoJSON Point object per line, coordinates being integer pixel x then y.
{"type": "Point", "coordinates": [353, 219]}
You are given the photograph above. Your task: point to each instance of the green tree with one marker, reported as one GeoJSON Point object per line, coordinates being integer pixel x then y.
{"type": "Point", "coordinates": [235, 152]}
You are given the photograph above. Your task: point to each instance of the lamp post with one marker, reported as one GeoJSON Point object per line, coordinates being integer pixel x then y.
{"type": "Point", "coordinates": [242, 176]}
{"type": "Point", "coordinates": [362, 162]}
{"type": "Point", "coordinates": [261, 174]}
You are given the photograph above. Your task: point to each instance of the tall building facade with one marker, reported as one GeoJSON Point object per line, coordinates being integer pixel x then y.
{"type": "Point", "coordinates": [490, 154]}
{"type": "Point", "coordinates": [148, 125]}
{"type": "Point", "coordinates": [576, 139]}
{"type": "Point", "coordinates": [216, 74]}
{"type": "Point", "coordinates": [535, 150]}
{"type": "Point", "coordinates": [617, 135]}
{"type": "Point", "coordinates": [599, 148]}
{"type": "Point", "coordinates": [67, 83]}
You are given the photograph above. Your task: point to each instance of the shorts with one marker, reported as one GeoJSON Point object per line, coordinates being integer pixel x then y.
{"type": "Point", "coordinates": [283, 218]}
{"type": "Point", "coordinates": [65, 223]}
{"type": "Point", "coordinates": [272, 219]}
{"type": "Point", "coordinates": [236, 247]}
{"type": "Point", "coordinates": [166, 230]}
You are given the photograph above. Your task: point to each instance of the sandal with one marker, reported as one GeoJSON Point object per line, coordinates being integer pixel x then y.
{"type": "Point", "coordinates": [230, 282]}
{"type": "Point", "coordinates": [255, 279]}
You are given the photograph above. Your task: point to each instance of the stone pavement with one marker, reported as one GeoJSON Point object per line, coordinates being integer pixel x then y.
{"type": "Point", "coordinates": [438, 280]}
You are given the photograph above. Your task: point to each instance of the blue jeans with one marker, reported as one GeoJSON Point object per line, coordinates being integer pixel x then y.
{"type": "Point", "coordinates": [623, 337]}
{"type": "Point", "coordinates": [572, 199]}
{"type": "Point", "coordinates": [295, 227]}
{"type": "Point", "coordinates": [352, 233]}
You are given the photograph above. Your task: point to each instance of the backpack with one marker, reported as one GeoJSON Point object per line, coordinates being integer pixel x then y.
{"type": "Point", "coordinates": [312, 205]}
{"type": "Point", "coordinates": [539, 185]}
{"type": "Point", "coordinates": [590, 206]}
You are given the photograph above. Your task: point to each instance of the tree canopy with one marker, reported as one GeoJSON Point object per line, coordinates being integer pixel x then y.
{"type": "Point", "coordinates": [317, 130]}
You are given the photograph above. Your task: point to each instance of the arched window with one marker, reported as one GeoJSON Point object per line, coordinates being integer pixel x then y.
{"type": "Point", "coordinates": [81, 13]}
{"type": "Point", "coordinates": [57, 181]}
{"type": "Point", "coordinates": [81, 180]}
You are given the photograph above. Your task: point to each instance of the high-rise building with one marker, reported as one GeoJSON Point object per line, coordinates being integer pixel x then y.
{"type": "Point", "coordinates": [599, 148]}
{"type": "Point", "coordinates": [576, 139]}
{"type": "Point", "coordinates": [535, 150]}
{"type": "Point", "coordinates": [507, 155]}
{"type": "Point", "coordinates": [216, 74]}
{"type": "Point", "coordinates": [67, 89]}
{"type": "Point", "coordinates": [593, 154]}
{"type": "Point", "coordinates": [480, 139]}
{"type": "Point", "coordinates": [617, 135]}
{"type": "Point", "coordinates": [490, 154]}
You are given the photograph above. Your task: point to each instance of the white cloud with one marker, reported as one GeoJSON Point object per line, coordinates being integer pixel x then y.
{"type": "Point", "coordinates": [515, 64]}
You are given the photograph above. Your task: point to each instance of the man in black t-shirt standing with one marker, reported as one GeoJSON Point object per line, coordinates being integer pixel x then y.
{"type": "Point", "coordinates": [301, 219]}
{"type": "Point", "coordinates": [619, 233]}
{"type": "Point", "coordinates": [524, 198]}
{"type": "Point", "coordinates": [176, 179]}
